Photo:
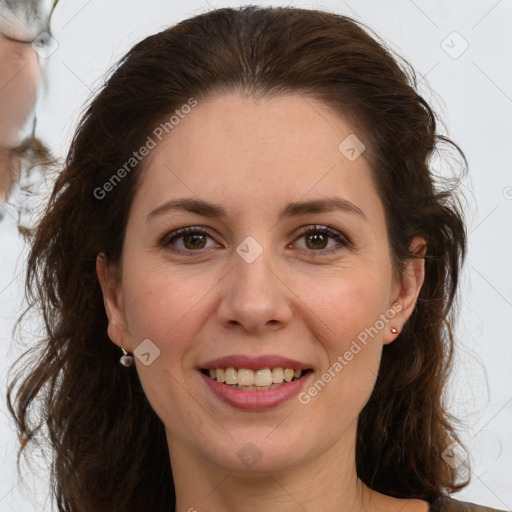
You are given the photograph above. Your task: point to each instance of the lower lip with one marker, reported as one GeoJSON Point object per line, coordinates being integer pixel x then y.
{"type": "Point", "coordinates": [255, 400]}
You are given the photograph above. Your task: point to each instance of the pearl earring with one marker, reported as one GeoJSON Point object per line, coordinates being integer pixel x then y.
{"type": "Point", "coordinates": [393, 330]}
{"type": "Point", "coordinates": [126, 359]}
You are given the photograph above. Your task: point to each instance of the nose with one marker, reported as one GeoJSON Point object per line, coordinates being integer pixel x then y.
{"type": "Point", "coordinates": [254, 296]}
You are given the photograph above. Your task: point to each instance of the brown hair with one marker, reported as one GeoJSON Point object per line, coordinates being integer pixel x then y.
{"type": "Point", "coordinates": [110, 447]}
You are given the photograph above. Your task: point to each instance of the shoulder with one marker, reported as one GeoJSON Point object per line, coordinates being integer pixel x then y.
{"type": "Point", "coordinates": [447, 504]}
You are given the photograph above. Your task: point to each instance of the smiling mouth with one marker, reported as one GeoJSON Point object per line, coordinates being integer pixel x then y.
{"type": "Point", "coordinates": [258, 380]}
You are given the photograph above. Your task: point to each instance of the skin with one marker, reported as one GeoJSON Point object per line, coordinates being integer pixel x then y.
{"type": "Point", "coordinates": [20, 78]}
{"type": "Point", "coordinates": [253, 158]}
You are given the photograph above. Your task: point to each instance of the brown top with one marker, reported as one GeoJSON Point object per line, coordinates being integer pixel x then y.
{"type": "Point", "coordinates": [446, 504]}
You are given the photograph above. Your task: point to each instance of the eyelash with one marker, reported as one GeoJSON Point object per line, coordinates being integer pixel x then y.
{"type": "Point", "coordinates": [342, 240]}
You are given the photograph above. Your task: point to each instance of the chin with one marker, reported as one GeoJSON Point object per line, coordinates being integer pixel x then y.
{"type": "Point", "coordinates": [253, 454]}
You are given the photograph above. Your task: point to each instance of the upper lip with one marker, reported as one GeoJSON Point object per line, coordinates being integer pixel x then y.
{"type": "Point", "coordinates": [255, 363]}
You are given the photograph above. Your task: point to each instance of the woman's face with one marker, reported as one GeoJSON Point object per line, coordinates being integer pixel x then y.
{"type": "Point", "coordinates": [257, 278]}
{"type": "Point", "coordinates": [19, 75]}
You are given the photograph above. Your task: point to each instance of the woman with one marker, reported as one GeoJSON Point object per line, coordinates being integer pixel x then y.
{"type": "Point", "coordinates": [247, 274]}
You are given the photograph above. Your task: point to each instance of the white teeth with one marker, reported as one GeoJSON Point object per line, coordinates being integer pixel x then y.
{"type": "Point", "coordinates": [231, 376]}
{"type": "Point", "coordinates": [245, 377]}
{"type": "Point", "coordinates": [277, 375]}
{"type": "Point", "coordinates": [260, 378]}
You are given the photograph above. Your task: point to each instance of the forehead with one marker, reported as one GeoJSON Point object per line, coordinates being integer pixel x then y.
{"type": "Point", "coordinates": [266, 150]}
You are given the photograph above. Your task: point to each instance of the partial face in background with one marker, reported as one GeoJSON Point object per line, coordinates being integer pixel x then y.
{"type": "Point", "coordinates": [321, 276]}
{"type": "Point", "coordinates": [20, 74]}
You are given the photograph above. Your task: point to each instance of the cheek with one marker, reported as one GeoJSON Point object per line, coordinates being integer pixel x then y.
{"type": "Point", "coordinates": [167, 307]}
{"type": "Point", "coordinates": [347, 316]}
{"type": "Point", "coordinates": [170, 310]}
{"type": "Point", "coordinates": [347, 305]}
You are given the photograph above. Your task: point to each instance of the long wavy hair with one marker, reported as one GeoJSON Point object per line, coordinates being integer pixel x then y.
{"type": "Point", "coordinates": [109, 447]}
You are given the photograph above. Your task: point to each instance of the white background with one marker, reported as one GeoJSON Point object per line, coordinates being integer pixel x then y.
{"type": "Point", "coordinates": [473, 95]}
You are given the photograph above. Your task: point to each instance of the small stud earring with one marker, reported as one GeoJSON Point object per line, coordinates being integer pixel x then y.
{"type": "Point", "coordinates": [126, 359]}
{"type": "Point", "coordinates": [393, 330]}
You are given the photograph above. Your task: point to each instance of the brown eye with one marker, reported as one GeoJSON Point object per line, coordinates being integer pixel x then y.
{"type": "Point", "coordinates": [322, 239]}
{"type": "Point", "coordinates": [188, 240]}
{"type": "Point", "coordinates": [316, 241]}
{"type": "Point", "coordinates": [196, 241]}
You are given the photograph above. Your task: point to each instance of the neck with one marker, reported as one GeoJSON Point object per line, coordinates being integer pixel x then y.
{"type": "Point", "coordinates": [327, 481]}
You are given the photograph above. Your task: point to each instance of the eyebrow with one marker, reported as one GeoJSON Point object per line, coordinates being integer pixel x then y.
{"type": "Point", "coordinates": [294, 209]}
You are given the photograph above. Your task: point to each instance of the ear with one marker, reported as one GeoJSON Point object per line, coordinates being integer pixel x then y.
{"type": "Point", "coordinates": [112, 298]}
{"type": "Point", "coordinates": [408, 289]}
